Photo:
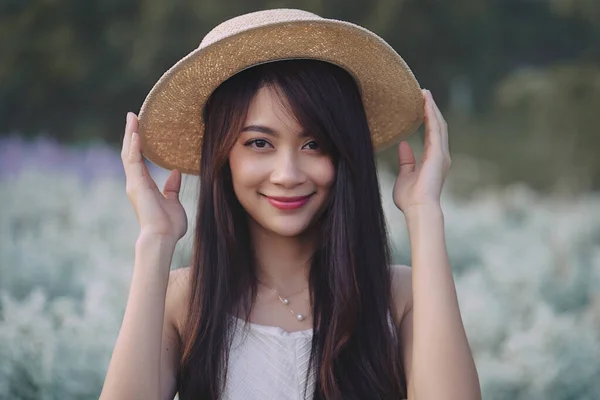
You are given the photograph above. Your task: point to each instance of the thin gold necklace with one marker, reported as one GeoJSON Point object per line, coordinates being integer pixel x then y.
{"type": "Point", "coordinates": [285, 300]}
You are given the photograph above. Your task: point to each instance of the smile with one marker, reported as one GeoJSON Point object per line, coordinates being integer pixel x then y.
{"type": "Point", "coordinates": [288, 203]}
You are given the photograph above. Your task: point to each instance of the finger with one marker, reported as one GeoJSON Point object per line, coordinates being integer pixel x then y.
{"type": "Point", "coordinates": [129, 128]}
{"type": "Point", "coordinates": [134, 165]}
{"type": "Point", "coordinates": [148, 178]}
{"type": "Point", "coordinates": [172, 185]}
{"type": "Point", "coordinates": [406, 158]}
{"type": "Point", "coordinates": [433, 135]}
{"type": "Point", "coordinates": [442, 122]}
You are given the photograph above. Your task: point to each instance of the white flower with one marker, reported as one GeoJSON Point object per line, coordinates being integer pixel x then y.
{"type": "Point", "coordinates": [527, 274]}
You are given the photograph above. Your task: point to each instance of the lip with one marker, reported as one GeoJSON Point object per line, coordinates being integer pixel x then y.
{"type": "Point", "coordinates": [288, 203]}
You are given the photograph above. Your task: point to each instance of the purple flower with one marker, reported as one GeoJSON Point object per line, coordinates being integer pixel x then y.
{"type": "Point", "coordinates": [90, 162]}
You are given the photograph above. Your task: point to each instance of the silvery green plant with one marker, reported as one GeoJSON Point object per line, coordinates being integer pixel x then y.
{"type": "Point", "coordinates": [527, 272]}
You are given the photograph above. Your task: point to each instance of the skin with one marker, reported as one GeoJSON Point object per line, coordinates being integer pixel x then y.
{"type": "Point", "coordinates": [437, 357]}
{"type": "Point", "coordinates": [274, 157]}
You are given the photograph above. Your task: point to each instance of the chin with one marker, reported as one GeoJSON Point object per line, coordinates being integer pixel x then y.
{"type": "Point", "coordinates": [285, 227]}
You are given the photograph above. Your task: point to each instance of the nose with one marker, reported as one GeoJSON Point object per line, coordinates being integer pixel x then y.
{"type": "Point", "coordinates": [287, 170]}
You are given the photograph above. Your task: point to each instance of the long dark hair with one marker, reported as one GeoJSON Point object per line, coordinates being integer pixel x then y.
{"type": "Point", "coordinates": [355, 351]}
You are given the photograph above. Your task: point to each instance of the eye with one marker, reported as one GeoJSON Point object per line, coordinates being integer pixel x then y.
{"type": "Point", "coordinates": [258, 143]}
{"type": "Point", "coordinates": [312, 145]}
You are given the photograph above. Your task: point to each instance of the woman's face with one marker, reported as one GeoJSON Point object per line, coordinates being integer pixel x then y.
{"type": "Point", "coordinates": [280, 175]}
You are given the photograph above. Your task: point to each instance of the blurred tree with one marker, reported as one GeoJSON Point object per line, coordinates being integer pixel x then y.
{"type": "Point", "coordinates": [72, 69]}
{"type": "Point", "coordinates": [558, 107]}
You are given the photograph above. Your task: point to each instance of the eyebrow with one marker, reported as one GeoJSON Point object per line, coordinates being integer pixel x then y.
{"type": "Point", "coordinates": [267, 131]}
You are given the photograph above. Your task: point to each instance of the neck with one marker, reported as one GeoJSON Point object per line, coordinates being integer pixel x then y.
{"type": "Point", "coordinates": [283, 263]}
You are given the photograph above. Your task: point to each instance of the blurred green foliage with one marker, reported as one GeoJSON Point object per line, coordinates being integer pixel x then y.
{"type": "Point", "coordinates": [517, 79]}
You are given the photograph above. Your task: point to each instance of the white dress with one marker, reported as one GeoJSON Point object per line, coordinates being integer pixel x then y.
{"type": "Point", "coordinates": [266, 362]}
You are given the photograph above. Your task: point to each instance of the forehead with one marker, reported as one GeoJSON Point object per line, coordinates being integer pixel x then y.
{"type": "Point", "coordinates": [270, 108]}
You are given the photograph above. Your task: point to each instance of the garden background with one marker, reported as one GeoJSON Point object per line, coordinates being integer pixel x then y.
{"type": "Point", "coordinates": [518, 82]}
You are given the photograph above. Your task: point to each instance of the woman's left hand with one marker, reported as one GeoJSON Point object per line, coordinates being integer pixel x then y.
{"type": "Point", "coordinates": [421, 185]}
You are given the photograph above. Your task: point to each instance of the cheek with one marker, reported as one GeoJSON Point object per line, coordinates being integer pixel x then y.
{"type": "Point", "coordinates": [323, 172]}
{"type": "Point", "coordinates": [246, 171]}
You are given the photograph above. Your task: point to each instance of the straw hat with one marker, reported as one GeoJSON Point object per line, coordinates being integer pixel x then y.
{"type": "Point", "coordinates": [170, 120]}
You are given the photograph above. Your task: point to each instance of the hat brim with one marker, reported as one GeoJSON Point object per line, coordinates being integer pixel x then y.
{"type": "Point", "coordinates": [170, 120]}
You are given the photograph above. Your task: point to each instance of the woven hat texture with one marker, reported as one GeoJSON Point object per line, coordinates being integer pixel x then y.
{"type": "Point", "coordinates": [170, 120]}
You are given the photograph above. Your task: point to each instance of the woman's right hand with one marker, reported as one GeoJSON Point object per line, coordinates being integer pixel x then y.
{"type": "Point", "coordinates": [159, 213]}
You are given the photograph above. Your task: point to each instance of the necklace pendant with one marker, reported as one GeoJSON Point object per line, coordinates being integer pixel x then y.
{"type": "Point", "coordinates": [300, 317]}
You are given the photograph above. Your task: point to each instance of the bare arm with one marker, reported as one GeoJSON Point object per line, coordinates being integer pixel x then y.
{"type": "Point", "coordinates": [144, 361]}
{"type": "Point", "coordinates": [134, 371]}
{"type": "Point", "coordinates": [437, 353]}
{"type": "Point", "coordinates": [437, 357]}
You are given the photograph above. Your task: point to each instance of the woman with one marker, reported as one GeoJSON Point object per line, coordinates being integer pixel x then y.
{"type": "Point", "coordinates": [290, 294]}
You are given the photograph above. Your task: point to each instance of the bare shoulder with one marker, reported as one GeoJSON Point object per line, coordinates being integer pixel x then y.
{"type": "Point", "coordinates": [178, 292]}
{"type": "Point", "coordinates": [401, 290]}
